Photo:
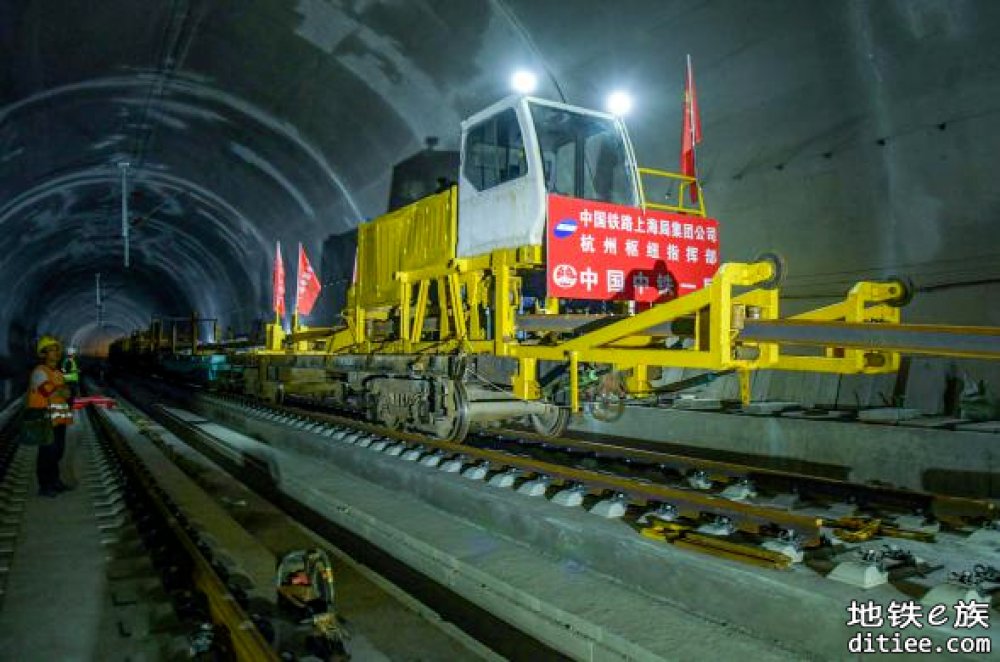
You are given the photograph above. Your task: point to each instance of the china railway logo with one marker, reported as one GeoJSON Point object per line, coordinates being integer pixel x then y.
{"type": "Point", "coordinates": [564, 276]}
{"type": "Point", "coordinates": [564, 228]}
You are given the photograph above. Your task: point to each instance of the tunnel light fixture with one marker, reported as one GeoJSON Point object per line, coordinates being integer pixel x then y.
{"type": "Point", "coordinates": [100, 300]}
{"type": "Point", "coordinates": [524, 81]}
{"type": "Point", "coordinates": [619, 103]}
{"type": "Point", "coordinates": [124, 166]}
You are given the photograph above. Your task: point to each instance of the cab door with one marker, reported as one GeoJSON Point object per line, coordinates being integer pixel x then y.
{"type": "Point", "coordinates": [502, 198]}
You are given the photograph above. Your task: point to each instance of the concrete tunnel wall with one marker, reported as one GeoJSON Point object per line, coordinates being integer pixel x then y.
{"type": "Point", "coordinates": [855, 138]}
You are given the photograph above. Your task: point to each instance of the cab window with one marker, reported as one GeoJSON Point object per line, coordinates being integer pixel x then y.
{"type": "Point", "coordinates": [583, 156]}
{"type": "Point", "coordinates": [494, 151]}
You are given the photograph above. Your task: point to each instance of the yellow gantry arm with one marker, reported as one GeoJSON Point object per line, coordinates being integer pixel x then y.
{"type": "Point", "coordinates": [733, 323]}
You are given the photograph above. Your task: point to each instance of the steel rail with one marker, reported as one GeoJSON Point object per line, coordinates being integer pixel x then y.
{"type": "Point", "coordinates": [475, 620]}
{"type": "Point", "coordinates": [746, 517]}
{"type": "Point", "coordinates": [247, 641]}
{"type": "Point", "coordinates": [942, 507]}
{"type": "Point", "coordinates": [925, 339]}
{"type": "Point", "coordinates": [937, 504]}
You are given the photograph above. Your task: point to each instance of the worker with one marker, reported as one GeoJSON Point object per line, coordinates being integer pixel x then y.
{"type": "Point", "coordinates": [47, 390]}
{"type": "Point", "coordinates": [71, 371]}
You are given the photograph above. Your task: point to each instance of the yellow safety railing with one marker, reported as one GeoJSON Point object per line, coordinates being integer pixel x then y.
{"type": "Point", "coordinates": [684, 183]}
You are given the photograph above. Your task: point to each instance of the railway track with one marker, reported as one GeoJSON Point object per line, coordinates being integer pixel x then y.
{"type": "Point", "coordinates": [163, 591]}
{"type": "Point", "coordinates": [714, 474]}
{"type": "Point", "coordinates": [761, 516]}
{"type": "Point", "coordinates": [481, 630]}
{"type": "Point", "coordinates": [167, 526]}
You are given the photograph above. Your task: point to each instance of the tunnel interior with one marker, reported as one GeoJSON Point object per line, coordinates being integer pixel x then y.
{"type": "Point", "coordinates": [498, 468]}
{"type": "Point", "coordinates": [856, 139]}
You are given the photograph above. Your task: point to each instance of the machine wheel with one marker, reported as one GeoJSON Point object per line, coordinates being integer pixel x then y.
{"type": "Point", "coordinates": [780, 270]}
{"type": "Point", "coordinates": [608, 407]}
{"type": "Point", "coordinates": [461, 420]}
{"type": "Point", "coordinates": [383, 415]}
{"type": "Point", "coordinates": [551, 424]}
{"type": "Point", "coordinates": [906, 293]}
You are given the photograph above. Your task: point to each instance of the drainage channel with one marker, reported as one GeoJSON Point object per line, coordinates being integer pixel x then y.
{"type": "Point", "coordinates": [476, 623]}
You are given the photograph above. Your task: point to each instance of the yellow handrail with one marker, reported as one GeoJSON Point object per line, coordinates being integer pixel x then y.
{"type": "Point", "coordinates": [685, 181]}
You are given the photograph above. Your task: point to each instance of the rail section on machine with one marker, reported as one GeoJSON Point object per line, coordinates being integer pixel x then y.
{"type": "Point", "coordinates": [919, 339]}
{"type": "Point", "coordinates": [732, 325]}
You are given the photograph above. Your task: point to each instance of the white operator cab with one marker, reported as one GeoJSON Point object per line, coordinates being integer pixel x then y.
{"type": "Point", "coordinates": [518, 151]}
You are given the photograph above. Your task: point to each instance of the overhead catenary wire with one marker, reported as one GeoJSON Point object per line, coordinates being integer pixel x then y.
{"type": "Point", "coordinates": [182, 26]}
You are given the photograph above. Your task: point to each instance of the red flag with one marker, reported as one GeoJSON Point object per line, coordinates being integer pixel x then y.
{"type": "Point", "coordinates": [691, 131]}
{"type": "Point", "coordinates": [278, 282]}
{"type": "Point", "coordinates": [309, 287]}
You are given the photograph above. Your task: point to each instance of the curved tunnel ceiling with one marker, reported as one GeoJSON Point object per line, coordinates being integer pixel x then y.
{"type": "Point", "coordinates": [247, 122]}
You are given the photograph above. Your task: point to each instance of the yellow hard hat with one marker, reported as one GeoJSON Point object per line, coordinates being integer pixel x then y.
{"type": "Point", "coordinates": [45, 342]}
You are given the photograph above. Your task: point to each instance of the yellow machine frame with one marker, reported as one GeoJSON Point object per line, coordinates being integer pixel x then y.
{"type": "Point", "coordinates": [415, 298]}
{"type": "Point", "coordinates": [465, 286]}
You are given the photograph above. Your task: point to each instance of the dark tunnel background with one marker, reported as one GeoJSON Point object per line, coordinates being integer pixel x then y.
{"type": "Point", "coordinates": [856, 138]}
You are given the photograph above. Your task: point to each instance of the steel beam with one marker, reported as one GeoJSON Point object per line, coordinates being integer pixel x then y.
{"type": "Point", "coordinates": [934, 340]}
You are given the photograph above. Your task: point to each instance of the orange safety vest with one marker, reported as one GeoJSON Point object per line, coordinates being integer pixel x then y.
{"type": "Point", "coordinates": [43, 396]}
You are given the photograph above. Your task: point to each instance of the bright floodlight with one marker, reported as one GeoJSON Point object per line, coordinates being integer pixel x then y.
{"type": "Point", "coordinates": [619, 103]}
{"type": "Point", "coordinates": [524, 82]}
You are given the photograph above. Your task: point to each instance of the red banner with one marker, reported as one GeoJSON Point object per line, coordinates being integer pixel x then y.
{"type": "Point", "coordinates": [308, 286]}
{"type": "Point", "coordinates": [278, 282]}
{"type": "Point", "coordinates": [608, 252]}
{"type": "Point", "coordinates": [82, 401]}
{"type": "Point", "coordinates": [690, 131]}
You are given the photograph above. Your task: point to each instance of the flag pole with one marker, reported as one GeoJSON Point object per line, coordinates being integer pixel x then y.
{"type": "Point", "coordinates": [274, 295]}
{"type": "Point", "coordinates": [298, 276]}
{"type": "Point", "coordinates": [694, 135]}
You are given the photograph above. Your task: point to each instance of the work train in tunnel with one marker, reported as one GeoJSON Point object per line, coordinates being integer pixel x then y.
{"type": "Point", "coordinates": [538, 273]}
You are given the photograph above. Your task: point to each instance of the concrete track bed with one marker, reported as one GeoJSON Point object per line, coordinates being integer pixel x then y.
{"type": "Point", "coordinates": [590, 588]}
{"type": "Point", "coordinates": [950, 462]}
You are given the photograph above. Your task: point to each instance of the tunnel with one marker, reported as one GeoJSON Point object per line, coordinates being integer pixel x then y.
{"type": "Point", "coordinates": [540, 408]}
{"type": "Point", "coordinates": [853, 138]}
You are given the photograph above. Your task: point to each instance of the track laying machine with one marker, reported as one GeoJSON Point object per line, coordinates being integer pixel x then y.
{"type": "Point", "coordinates": [557, 274]}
